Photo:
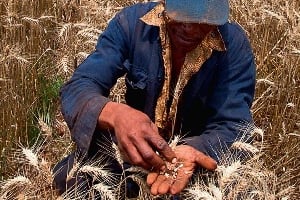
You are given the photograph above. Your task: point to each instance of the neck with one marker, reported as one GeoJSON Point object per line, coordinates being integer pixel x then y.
{"type": "Point", "coordinates": [178, 57]}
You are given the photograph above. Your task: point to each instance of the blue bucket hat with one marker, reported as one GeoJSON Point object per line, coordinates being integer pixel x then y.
{"type": "Point", "coordinates": [215, 12]}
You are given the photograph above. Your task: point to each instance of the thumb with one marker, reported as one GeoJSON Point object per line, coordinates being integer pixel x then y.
{"type": "Point", "coordinates": [205, 161]}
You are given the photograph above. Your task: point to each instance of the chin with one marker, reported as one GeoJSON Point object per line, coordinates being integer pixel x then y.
{"type": "Point", "coordinates": [187, 46]}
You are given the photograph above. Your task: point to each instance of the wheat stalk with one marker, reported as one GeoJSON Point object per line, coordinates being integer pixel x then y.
{"type": "Point", "coordinates": [64, 31]}
{"type": "Point", "coordinates": [227, 174]}
{"type": "Point", "coordinates": [98, 173]}
{"type": "Point", "coordinates": [215, 191]}
{"type": "Point", "coordinates": [31, 157]}
{"type": "Point", "coordinates": [72, 173]}
{"type": "Point", "coordinates": [107, 193]}
{"type": "Point", "coordinates": [13, 187]}
{"type": "Point", "coordinates": [44, 127]}
{"type": "Point", "coordinates": [246, 147]}
{"type": "Point", "coordinates": [31, 20]}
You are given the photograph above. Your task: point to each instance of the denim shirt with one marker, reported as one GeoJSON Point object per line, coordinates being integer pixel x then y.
{"type": "Point", "coordinates": [216, 100]}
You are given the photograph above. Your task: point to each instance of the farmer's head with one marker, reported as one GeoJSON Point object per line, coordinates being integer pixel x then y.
{"type": "Point", "coordinates": [213, 12]}
{"type": "Point", "coordinates": [189, 21]}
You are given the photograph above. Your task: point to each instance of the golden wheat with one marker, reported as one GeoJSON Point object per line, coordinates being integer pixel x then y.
{"type": "Point", "coordinates": [50, 38]}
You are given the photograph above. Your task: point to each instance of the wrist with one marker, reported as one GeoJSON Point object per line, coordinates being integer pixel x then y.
{"type": "Point", "coordinates": [106, 119]}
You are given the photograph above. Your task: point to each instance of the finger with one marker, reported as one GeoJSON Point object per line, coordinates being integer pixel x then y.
{"type": "Point", "coordinates": [181, 181]}
{"type": "Point", "coordinates": [135, 157]}
{"type": "Point", "coordinates": [205, 161]}
{"type": "Point", "coordinates": [154, 187]}
{"type": "Point", "coordinates": [165, 186]}
{"type": "Point", "coordinates": [149, 155]}
{"type": "Point", "coordinates": [163, 148]}
{"type": "Point", "coordinates": [151, 177]}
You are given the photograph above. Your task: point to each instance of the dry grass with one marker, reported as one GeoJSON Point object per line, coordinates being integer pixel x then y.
{"type": "Point", "coordinates": [43, 41]}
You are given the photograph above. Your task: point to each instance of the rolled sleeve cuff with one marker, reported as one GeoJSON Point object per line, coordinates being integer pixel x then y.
{"type": "Point", "coordinates": [86, 122]}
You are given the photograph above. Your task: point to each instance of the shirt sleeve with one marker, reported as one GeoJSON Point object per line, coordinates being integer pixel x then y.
{"type": "Point", "coordinates": [86, 93]}
{"type": "Point", "coordinates": [229, 104]}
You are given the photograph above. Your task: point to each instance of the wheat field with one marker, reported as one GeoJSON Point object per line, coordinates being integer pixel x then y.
{"type": "Point", "coordinates": [42, 42]}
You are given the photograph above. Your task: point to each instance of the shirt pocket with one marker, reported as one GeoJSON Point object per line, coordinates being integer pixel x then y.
{"type": "Point", "coordinates": [136, 83]}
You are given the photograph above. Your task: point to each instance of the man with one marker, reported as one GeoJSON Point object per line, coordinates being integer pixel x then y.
{"type": "Point", "coordinates": [188, 71]}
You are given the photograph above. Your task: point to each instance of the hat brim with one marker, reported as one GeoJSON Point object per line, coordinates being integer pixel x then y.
{"type": "Point", "coordinates": [215, 12]}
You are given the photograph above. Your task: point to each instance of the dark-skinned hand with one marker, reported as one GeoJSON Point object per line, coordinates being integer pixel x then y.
{"type": "Point", "coordinates": [138, 138]}
{"type": "Point", "coordinates": [188, 159]}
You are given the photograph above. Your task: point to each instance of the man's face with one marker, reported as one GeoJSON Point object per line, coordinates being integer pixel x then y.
{"type": "Point", "coordinates": [187, 36]}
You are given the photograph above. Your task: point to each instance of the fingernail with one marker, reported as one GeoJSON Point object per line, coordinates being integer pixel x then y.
{"type": "Point", "coordinates": [174, 160]}
{"type": "Point", "coordinates": [163, 168]}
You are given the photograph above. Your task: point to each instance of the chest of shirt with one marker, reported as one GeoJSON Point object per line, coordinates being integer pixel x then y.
{"type": "Point", "coordinates": [145, 78]}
